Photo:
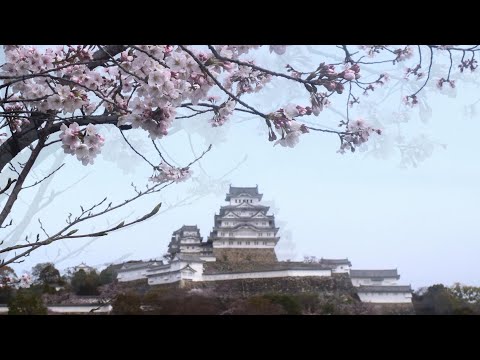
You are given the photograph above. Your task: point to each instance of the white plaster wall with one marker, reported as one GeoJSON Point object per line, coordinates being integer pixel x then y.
{"type": "Point", "coordinates": [189, 241]}
{"type": "Point", "coordinates": [131, 275]}
{"type": "Point", "coordinates": [208, 258]}
{"type": "Point", "coordinates": [386, 298]}
{"type": "Point", "coordinates": [69, 309]}
{"type": "Point", "coordinates": [197, 276]}
{"type": "Point", "coordinates": [367, 281]}
{"type": "Point", "coordinates": [267, 274]}
{"type": "Point", "coordinates": [165, 279]}
{"type": "Point", "coordinates": [241, 198]}
{"type": "Point", "coordinates": [341, 269]}
{"type": "Point", "coordinates": [192, 249]}
{"type": "Point", "coordinates": [225, 244]}
{"type": "Point", "coordinates": [175, 273]}
{"type": "Point", "coordinates": [246, 233]}
{"type": "Point", "coordinates": [80, 309]}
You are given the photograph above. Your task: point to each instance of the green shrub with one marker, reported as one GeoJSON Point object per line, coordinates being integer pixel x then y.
{"type": "Point", "coordinates": [26, 302]}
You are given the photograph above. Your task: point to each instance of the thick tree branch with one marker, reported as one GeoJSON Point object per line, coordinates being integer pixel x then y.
{"type": "Point", "coordinates": [21, 179]}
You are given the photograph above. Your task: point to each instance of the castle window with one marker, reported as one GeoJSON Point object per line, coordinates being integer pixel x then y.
{"type": "Point", "coordinates": [260, 234]}
{"type": "Point", "coordinates": [247, 243]}
{"type": "Point", "coordinates": [264, 243]}
{"type": "Point", "coordinates": [230, 234]}
{"type": "Point", "coordinates": [239, 243]}
{"type": "Point", "coordinates": [255, 242]}
{"type": "Point", "coordinates": [230, 243]}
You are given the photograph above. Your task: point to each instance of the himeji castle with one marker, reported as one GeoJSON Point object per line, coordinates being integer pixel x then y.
{"type": "Point", "coordinates": [244, 236]}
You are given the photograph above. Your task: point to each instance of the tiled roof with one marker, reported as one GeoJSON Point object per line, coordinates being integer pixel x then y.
{"type": "Point", "coordinates": [383, 289]}
{"type": "Point", "coordinates": [187, 228]}
{"type": "Point", "coordinates": [335, 262]}
{"type": "Point", "coordinates": [139, 265]}
{"type": "Point", "coordinates": [391, 273]}
{"type": "Point", "coordinates": [250, 191]}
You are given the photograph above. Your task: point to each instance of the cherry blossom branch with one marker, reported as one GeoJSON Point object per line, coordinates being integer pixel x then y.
{"type": "Point", "coordinates": [215, 107]}
{"type": "Point", "coordinates": [120, 66]}
{"type": "Point", "coordinates": [204, 68]}
{"type": "Point", "coordinates": [14, 145]}
{"type": "Point", "coordinates": [428, 75]}
{"type": "Point", "coordinates": [256, 67]}
{"type": "Point", "coordinates": [149, 55]}
{"type": "Point", "coordinates": [99, 59]}
{"type": "Point", "coordinates": [160, 153]}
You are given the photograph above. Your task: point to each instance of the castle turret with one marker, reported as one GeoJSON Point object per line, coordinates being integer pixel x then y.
{"type": "Point", "coordinates": [243, 231]}
{"type": "Point", "coordinates": [187, 240]}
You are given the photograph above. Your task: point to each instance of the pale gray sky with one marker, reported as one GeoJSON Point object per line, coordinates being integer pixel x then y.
{"type": "Point", "coordinates": [363, 206]}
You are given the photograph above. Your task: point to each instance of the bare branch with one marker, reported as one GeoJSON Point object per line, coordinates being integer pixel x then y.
{"type": "Point", "coordinates": [9, 183]}
{"type": "Point", "coordinates": [201, 156]}
{"type": "Point", "coordinates": [46, 177]}
{"type": "Point", "coordinates": [135, 150]}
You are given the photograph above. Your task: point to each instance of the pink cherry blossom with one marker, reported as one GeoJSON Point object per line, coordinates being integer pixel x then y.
{"type": "Point", "coordinates": [165, 173]}
{"type": "Point", "coordinates": [349, 75]}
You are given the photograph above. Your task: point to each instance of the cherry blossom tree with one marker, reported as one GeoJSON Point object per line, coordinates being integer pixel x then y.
{"type": "Point", "coordinates": [59, 96]}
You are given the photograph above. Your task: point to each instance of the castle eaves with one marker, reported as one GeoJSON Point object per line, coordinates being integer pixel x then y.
{"type": "Point", "coordinates": [247, 191]}
{"type": "Point", "coordinates": [390, 273]}
{"type": "Point", "coordinates": [385, 289]}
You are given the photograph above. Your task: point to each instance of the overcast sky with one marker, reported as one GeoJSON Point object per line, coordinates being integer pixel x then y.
{"type": "Point", "coordinates": [367, 206]}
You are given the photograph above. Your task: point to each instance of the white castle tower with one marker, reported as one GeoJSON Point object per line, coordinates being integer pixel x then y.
{"type": "Point", "coordinates": [187, 240]}
{"type": "Point", "coordinates": [243, 231]}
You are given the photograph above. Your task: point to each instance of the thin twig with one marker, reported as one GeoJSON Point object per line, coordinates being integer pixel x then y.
{"type": "Point", "coordinates": [46, 177]}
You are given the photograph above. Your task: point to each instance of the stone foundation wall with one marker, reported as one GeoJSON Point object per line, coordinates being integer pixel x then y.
{"type": "Point", "coordinates": [263, 256]}
{"type": "Point", "coordinates": [336, 285]}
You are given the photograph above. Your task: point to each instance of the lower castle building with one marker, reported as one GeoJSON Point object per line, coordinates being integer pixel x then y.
{"type": "Point", "coordinates": [241, 245]}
